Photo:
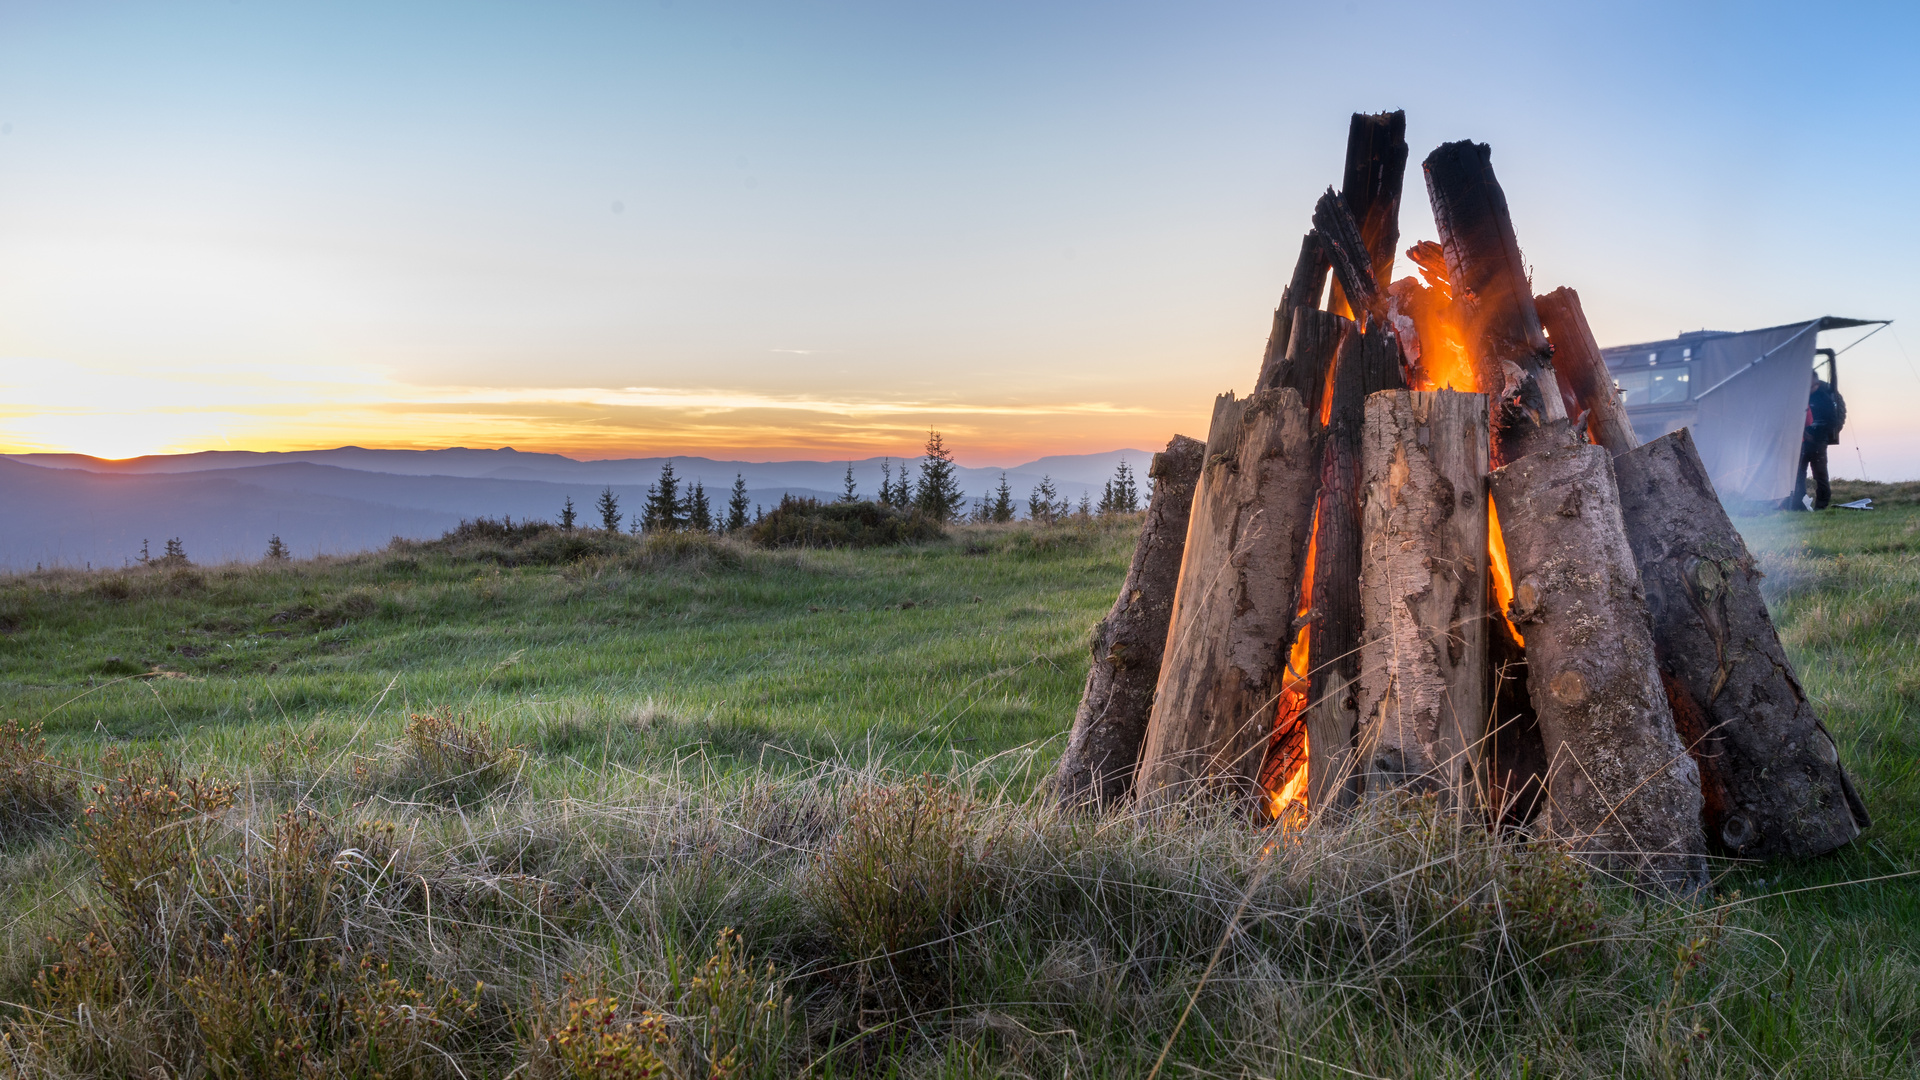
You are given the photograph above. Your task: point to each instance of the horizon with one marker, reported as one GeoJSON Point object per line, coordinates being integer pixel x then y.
{"type": "Point", "coordinates": [786, 234]}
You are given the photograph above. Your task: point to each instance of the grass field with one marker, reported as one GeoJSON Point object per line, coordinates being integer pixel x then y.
{"type": "Point", "coordinates": [638, 745]}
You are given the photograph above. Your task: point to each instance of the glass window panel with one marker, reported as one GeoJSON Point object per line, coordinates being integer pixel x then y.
{"type": "Point", "coordinates": [1669, 384]}
{"type": "Point", "coordinates": [1633, 387]}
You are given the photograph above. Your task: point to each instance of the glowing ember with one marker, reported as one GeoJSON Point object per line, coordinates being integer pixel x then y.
{"type": "Point", "coordinates": [1294, 790]}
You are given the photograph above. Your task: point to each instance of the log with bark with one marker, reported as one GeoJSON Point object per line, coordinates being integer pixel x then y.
{"type": "Point", "coordinates": [1224, 665]}
{"type": "Point", "coordinates": [1423, 588]}
{"type": "Point", "coordinates": [1622, 788]}
{"type": "Point", "coordinates": [1770, 772]}
{"type": "Point", "coordinates": [1103, 750]}
{"type": "Point", "coordinates": [1583, 373]}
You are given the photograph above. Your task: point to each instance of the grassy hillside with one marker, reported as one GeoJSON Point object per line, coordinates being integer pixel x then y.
{"type": "Point", "coordinates": [562, 766]}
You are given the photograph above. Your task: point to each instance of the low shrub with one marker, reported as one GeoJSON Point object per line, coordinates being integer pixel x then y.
{"type": "Point", "coordinates": [448, 756]}
{"type": "Point", "coordinates": [35, 793]}
{"type": "Point", "coordinates": [800, 522]}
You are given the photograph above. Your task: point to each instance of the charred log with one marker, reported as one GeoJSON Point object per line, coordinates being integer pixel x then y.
{"type": "Point", "coordinates": [1224, 666]}
{"type": "Point", "coordinates": [1491, 293]}
{"type": "Point", "coordinates": [1302, 292]}
{"type": "Point", "coordinates": [1103, 751]}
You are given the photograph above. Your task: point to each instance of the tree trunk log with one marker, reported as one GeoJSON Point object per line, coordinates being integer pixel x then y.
{"type": "Point", "coordinates": [1233, 611]}
{"type": "Point", "coordinates": [1310, 351]}
{"type": "Point", "coordinates": [1621, 786]}
{"type": "Point", "coordinates": [1103, 751]}
{"type": "Point", "coordinates": [1773, 781]}
{"type": "Point", "coordinates": [1583, 371]}
{"type": "Point", "coordinates": [1376, 171]}
{"type": "Point", "coordinates": [1490, 291]}
{"type": "Point", "coordinates": [1423, 587]}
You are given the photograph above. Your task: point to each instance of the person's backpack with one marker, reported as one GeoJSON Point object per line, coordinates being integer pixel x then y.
{"type": "Point", "coordinates": [1839, 417]}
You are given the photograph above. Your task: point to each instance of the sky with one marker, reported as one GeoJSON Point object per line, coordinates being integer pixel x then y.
{"type": "Point", "coordinates": [816, 230]}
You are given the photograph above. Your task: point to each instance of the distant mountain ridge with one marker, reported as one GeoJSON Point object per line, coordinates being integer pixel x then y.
{"type": "Point", "coordinates": [75, 510]}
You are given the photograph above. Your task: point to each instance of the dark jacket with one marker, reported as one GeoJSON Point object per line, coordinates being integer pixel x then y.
{"type": "Point", "coordinates": [1826, 414]}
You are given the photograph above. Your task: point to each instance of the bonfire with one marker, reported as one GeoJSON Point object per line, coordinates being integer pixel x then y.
{"type": "Point", "coordinates": [1427, 554]}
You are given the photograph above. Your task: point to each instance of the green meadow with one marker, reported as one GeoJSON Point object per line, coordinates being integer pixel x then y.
{"type": "Point", "coordinates": [551, 805]}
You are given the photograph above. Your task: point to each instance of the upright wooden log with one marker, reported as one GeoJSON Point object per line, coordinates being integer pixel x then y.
{"type": "Point", "coordinates": [1773, 778]}
{"type": "Point", "coordinates": [1491, 293]}
{"type": "Point", "coordinates": [1376, 170]}
{"type": "Point", "coordinates": [1582, 371]}
{"type": "Point", "coordinates": [1103, 751]}
{"type": "Point", "coordinates": [1367, 362]}
{"type": "Point", "coordinates": [1224, 666]}
{"type": "Point", "coordinates": [1621, 786]}
{"type": "Point", "coordinates": [1423, 588]}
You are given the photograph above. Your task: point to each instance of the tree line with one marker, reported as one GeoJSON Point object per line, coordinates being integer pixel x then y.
{"type": "Point", "coordinates": [674, 505]}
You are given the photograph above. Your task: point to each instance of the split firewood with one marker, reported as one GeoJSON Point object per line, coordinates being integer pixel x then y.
{"type": "Point", "coordinates": [1423, 588]}
{"type": "Point", "coordinates": [1311, 347]}
{"type": "Point", "coordinates": [1770, 772]}
{"type": "Point", "coordinates": [1348, 256]}
{"type": "Point", "coordinates": [1224, 665]}
{"type": "Point", "coordinates": [1303, 291]}
{"type": "Point", "coordinates": [1103, 750]}
{"type": "Point", "coordinates": [1368, 362]}
{"type": "Point", "coordinates": [1621, 786]}
{"type": "Point", "coordinates": [1492, 298]}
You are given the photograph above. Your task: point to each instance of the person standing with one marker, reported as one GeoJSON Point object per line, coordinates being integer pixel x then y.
{"type": "Point", "coordinates": [1826, 415]}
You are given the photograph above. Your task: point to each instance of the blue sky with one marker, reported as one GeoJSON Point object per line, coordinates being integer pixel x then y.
{"type": "Point", "coordinates": [814, 230]}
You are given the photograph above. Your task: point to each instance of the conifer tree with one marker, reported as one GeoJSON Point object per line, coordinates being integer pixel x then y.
{"type": "Point", "coordinates": [737, 504]}
{"type": "Point", "coordinates": [1041, 509]}
{"type": "Point", "coordinates": [886, 482]}
{"type": "Point", "coordinates": [1086, 506]}
{"type": "Point", "coordinates": [276, 550]}
{"type": "Point", "coordinates": [664, 512]}
{"type": "Point", "coordinates": [568, 515]}
{"type": "Point", "coordinates": [144, 556]}
{"type": "Point", "coordinates": [850, 494]}
{"type": "Point", "coordinates": [1126, 493]}
{"type": "Point", "coordinates": [699, 511]}
{"type": "Point", "coordinates": [609, 506]}
{"type": "Point", "coordinates": [1001, 510]}
{"type": "Point", "coordinates": [939, 495]}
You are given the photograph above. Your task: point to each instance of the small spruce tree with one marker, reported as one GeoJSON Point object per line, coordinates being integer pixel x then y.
{"type": "Point", "coordinates": [609, 506]}
{"type": "Point", "coordinates": [664, 511]}
{"type": "Point", "coordinates": [850, 493]}
{"type": "Point", "coordinates": [1001, 510]}
{"type": "Point", "coordinates": [277, 551]}
{"type": "Point", "coordinates": [145, 557]}
{"type": "Point", "coordinates": [1086, 506]}
{"type": "Point", "coordinates": [568, 515]}
{"type": "Point", "coordinates": [939, 496]}
{"type": "Point", "coordinates": [176, 551]}
{"type": "Point", "coordinates": [699, 511]}
{"type": "Point", "coordinates": [737, 504]}
{"type": "Point", "coordinates": [1126, 493]}
{"type": "Point", "coordinates": [1041, 509]}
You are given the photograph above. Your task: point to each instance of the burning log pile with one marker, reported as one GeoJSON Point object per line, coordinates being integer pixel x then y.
{"type": "Point", "coordinates": [1427, 554]}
